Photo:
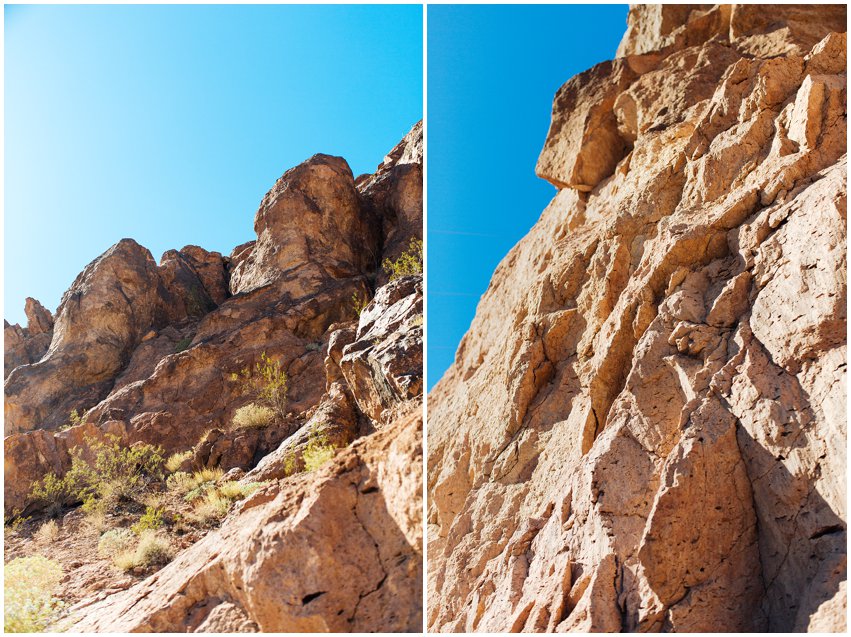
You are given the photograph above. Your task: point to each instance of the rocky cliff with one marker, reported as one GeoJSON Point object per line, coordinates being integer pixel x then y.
{"type": "Point", "coordinates": [644, 428]}
{"type": "Point", "coordinates": [150, 353]}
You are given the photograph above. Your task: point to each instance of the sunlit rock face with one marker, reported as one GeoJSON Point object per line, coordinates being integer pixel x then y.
{"type": "Point", "coordinates": [147, 352]}
{"type": "Point", "coordinates": [644, 428]}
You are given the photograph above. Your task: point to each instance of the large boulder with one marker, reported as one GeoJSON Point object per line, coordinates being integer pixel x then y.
{"type": "Point", "coordinates": [334, 550]}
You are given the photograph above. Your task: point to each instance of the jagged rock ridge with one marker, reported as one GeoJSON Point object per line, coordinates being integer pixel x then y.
{"type": "Point", "coordinates": [645, 427]}
{"type": "Point", "coordinates": [147, 351]}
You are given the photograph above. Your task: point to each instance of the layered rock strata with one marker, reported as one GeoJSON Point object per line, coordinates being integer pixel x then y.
{"type": "Point", "coordinates": [645, 427]}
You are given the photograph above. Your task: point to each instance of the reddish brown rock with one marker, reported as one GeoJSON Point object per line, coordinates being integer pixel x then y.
{"type": "Point", "coordinates": [39, 319]}
{"type": "Point", "coordinates": [394, 194]}
{"type": "Point", "coordinates": [383, 366]}
{"type": "Point", "coordinates": [645, 427]}
{"type": "Point", "coordinates": [335, 550]}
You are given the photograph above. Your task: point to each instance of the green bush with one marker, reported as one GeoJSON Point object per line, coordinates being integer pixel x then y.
{"type": "Point", "coordinates": [182, 345]}
{"type": "Point", "coordinates": [52, 492]}
{"type": "Point", "coordinates": [28, 587]}
{"type": "Point", "coordinates": [216, 501]}
{"type": "Point", "coordinates": [318, 450]}
{"type": "Point", "coordinates": [252, 416]}
{"type": "Point", "coordinates": [409, 262]}
{"type": "Point", "coordinates": [117, 473]}
{"type": "Point", "coordinates": [359, 302]}
{"type": "Point", "coordinates": [115, 542]}
{"type": "Point", "coordinates": [150, 521]}
{"type": "Point", "coordinates": [266, 383]}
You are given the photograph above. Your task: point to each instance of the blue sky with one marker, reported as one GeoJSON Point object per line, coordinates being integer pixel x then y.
{"type": "Point", "coordinates": [168, 124]}
{"type": "Point", "coordinates": [492, 73]}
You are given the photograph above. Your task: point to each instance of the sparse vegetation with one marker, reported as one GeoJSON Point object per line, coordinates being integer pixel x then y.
{"type": "Point", "coordinates": [252, 416]}
{"type": "Point", "coordinates": [29, 584]}
{"type": "Point", "coordinates": [266, 383]}
{"type": "Point", "coordinates": [318, 450]}
{"type": "Point", "coordinates": [47, 533]}
{"type": "Point", "coordinates": [409, 262]}
{"type": "Point", "coordinates": [153, 549]}
{"type": "Point", "coordinates": [150, 521]}
{"type": "Point", "coordinates": [417, 320]}
{"type": "Point", "coordinates": [359, 302]}
{"type": "Point", "coordinates": [117, 473]}
{"type": "Point", "coordinates": [193, 485]}
{"type": "Point", "coordinates": [182, 345]}
{"type": "Point", "coordinates": [52, 492]}
{"type": "Point", "coordinates": [216, 501]}
{"type": "Point", "coordinates": [14, 523]}
{"type": "Point", "coordinates": [115, 542]}
{"type": "Point", "coordinates": [175, 460]}
{"type": "Point", "coordinates": [290, 463]}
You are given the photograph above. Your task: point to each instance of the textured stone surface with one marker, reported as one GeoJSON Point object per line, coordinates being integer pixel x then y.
{"type": "Point", "coordinates": [645, 427]}
{"type": "Point", "coordinates": [338, 549]}
{"type": "Point", "coordinates": [148, 352]}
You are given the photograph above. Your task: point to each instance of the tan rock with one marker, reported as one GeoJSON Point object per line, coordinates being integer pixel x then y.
{"type": "Point", "coordinates": [645, 427]}
{"type": "Point", "coordinates": [39, 319]}
{"type": "Point", "coordinates": [338, 549]}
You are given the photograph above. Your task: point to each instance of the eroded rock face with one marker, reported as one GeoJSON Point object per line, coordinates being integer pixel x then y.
{"type": "Point", "coordinates": [149, 350]}
{"type": "Point", "coordinates": [338, 549]}
{"type": "Point", "coordinates": [644, 428]}
{"type": "Point", "coordinates": [152, 349]}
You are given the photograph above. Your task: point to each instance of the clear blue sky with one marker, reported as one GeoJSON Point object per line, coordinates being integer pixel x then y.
{"type": "Point", "coordinates": [492, 74]}
{"type": "Point", "coordinates": [168, 124]}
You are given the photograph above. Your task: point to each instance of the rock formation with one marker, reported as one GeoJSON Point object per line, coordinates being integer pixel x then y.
{"type": "Point", "coordinates": [644, 428]}
{"type": "Point", "coordinates": [147, 352]}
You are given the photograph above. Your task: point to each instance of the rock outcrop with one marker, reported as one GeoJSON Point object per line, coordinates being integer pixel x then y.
{"type": "Point", "coordinates": [645, 427]}
{"type": "Point", "coordinates": [148, 352]}
{"type": "Point", "coordinates": [326, 551]}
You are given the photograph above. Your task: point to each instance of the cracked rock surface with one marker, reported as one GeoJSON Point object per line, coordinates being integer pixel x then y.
{"type": "Point", "coordinates": [645, 427]}
{"type": "Point", "coordinates": [146, 352]}
{"type": "Point", "coordinates": [325, 551]}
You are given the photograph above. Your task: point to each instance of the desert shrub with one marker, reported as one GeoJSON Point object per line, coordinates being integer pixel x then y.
{"type": "Point", "coordinates": [252, 416]}
{"type": "Point", "coordinates": [118, 472]}
{"type": "Point", "coordinates": [233, 490]}
{"type": "Point", "coordinates": [212, 507]}
{"type": "Point", "coordinates": [216, 501]}
{"type": "Point", "coordinates": [52, 492]}
{"type": "Point", "coordinates": [409, 262]}
{"type": "Point", "coordinates": [318, 450]}
{"type": "Point", "coordinates": [313, 347]}
{"type": "Point", "coordinates": [359, 302]}
{"type": "Point", "coordinates": [14, 523]}
{"type": "Point", "coordinates": [153, 549]}
{"type": "Point", "coordinates": [290, 463]}
{"type": "Point", "coordinates": [417, 320]}
{"type": "Point", "coordinates": [28, 587]}
{"type": "Point", "coordinates": [266, 383]}
{"type": "Point", "coordinates": [151, 520]}
{"type": "Point", "coordinates": [182, 345]}
{"type": "Point", "coordinates": [115, 542]}
{"type": "Point", "coordinates": [176, 459]}
{"type": "Point", "coordinates": [47, 533]}
{"type": "Point", "coordinates": [193, 485]}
